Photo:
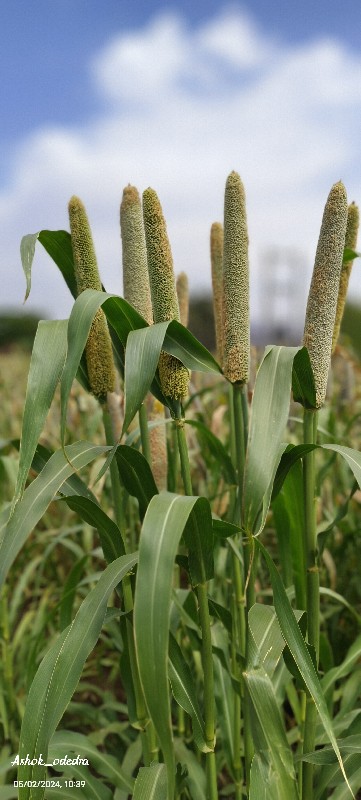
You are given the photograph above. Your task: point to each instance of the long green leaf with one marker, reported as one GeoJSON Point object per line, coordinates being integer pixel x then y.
{"type": "Point", "coordinates": [351, 456]}
{"type": "Point", "coordinates": [184, 692]}
{"type": "Point", "coordinates": [27, 252]}
{"type": "Point", "coordinates": [288, 508]}
{"type": "Point", "coordinates": [151, 783]}
{"type": "Point", "coordinates": [297, 646]}
{"type": "Point", "coordinates": [136, 476]}
{"type": "Point", "coordinates": [142, 357]}
{"type": "Point", "coordinates": [270, 407]}
{"type": "Point", "coordinates": [266, 642]}
{"type": "Point", "coordinates": [163, 526]}
{"type": "Point", "coordinates": [269, 718]}
{"type": "Point", "coordinates": [181, 343]}
{"type": "Point", "coordinates": [105, 764]}
{"type": "Point", "coordinates": [58, 245]}
{"type": "Point", "coordinates": [46, 366]}
{"type": "Point", "coordinates": [109, 533]}
{"type": "Point", "coordinates": [59, 673]}
{"type": "Point", "coordinates": [38, 495]}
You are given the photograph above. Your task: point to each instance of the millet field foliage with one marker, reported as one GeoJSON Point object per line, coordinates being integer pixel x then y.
{"type": "Point", "coordinates": [179, 553]}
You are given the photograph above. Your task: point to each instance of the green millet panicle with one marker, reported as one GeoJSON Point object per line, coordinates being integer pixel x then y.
{"type": "Point", "coordinates": [173, 375]}
{"type": "Point", "coordinates": [183, 297]}
{"type": "Point", "coordinates": [323, 294]}
{"type": "Point", "coordinates": [236, 334]}
{"type": "Point", "coordinates": [98, 351]}
{"type": "Point", "coordinates": [353, 219]}
{"type": "Point", "coordinates": [217, 284]}
{"type": "Point", "coordinates": [135, 269]}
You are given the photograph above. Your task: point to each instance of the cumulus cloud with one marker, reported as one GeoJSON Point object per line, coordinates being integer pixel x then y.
{"type": "Point", "coordinates": [181, 108]}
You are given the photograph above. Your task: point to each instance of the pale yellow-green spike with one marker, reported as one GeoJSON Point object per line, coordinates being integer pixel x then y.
{"type": "Point", "coordinates": [323, 294]}
{"type": "Point", "coordinates": [217, 284]}
{"type": "Point", "coordinates": [353, 219]}
{"type": "Point", "coordinates": [182, 288]}
{"type": "Point", "coordinates": [99, 356]}
{"type": "Point", "coordinates": [173, 375]}
{"type": "Point", "coordinates": [236, 334]}
{"type": "Point", "coordinates": [158, 445]}
{"type": "Point", "coordinates": [135, 269]}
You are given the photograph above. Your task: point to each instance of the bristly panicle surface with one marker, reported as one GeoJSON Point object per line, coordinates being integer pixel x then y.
{"type": "Point", "coordinates": [236, 332]}
{"type": "Point", "coordinates": [135, 270]}
{"type": "Point", "coordinates": [99, 355]}
{"type": "Point", "coordinates": [324, 289]}
{"type": "Point", "coordinates": [173, 375]}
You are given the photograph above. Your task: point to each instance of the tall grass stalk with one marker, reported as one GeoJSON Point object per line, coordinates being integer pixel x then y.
{"type": "Point", "coordinates": [313, 588]}
{"type": "Point", "coordinates": [150, 749]}
{"type": "Point", "coordinates": [204, 619]}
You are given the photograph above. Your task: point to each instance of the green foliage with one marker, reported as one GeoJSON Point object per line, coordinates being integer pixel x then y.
{"type": "Point", "coordinates": [137, 628]}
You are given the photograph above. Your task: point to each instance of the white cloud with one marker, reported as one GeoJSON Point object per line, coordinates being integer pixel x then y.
{"type": "Point", "coordinates": [182, 108]}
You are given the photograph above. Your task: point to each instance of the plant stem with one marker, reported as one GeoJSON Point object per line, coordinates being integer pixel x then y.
{"type": "Point", "coordinates": [204, 618]}
{"type": "Point", "coordinates": [313, 586]}
{"type": "Point", "coordinates": [150, 751]}
{"type": "Point", "coordinates": [240, 411]}
{"type": "Point", "coordinates": [144, 433]}
{"type": "Point", "coordinates": [114, 475]}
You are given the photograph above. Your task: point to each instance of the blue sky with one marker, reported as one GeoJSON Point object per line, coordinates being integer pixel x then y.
{"type": "Point", "coordinates": [96, 95]}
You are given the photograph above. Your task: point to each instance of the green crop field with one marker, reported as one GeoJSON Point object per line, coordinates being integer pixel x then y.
{"type": "Point", "coordinates": [180, 531]}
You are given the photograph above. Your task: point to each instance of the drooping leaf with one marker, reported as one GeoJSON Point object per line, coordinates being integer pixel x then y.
{"type": "Point", "coordinates": [59, 673]}
{"type": "Point", "coordinates": [73, 485]}
{"type": "Point", "coordinates": [47, 362]}
{"type": "Point", "coordinates": [136, 476]}
{"type": "Point", "coordinates": [291, 455]}
{"type": "Point", "coordinates": [58, 246]}
{"type": "Point", "coordinates": [181, 343]}
{"type": "Point", "coordinates": [109, 533]}
{"type": "Point", "coordinates": [142, 357]}
{"type": "Point", "coordinates": [106, 765]}
{"type": "Point", "coordinates": [38, 495]}
{"type": "Point", "coordinates": [351, 456]}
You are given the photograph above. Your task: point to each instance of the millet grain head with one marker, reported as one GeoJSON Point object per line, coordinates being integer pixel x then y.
{"type": "Point", "coordinates": [98, 351]}
{"type": "Point", "coordinates": [135, 269]}
{"type": "Point", "coordinates": [323, 294]}
{"type": "Point", "coordinates": [173, 375]}
{"type": "Point", "coordinates": [182, 289]}
{"type": "Point", "coordinates": [236, 333]}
